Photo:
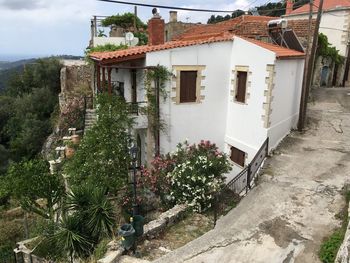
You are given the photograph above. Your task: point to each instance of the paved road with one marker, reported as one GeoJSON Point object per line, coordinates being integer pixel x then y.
{"type": "Point", "coordinates": [285, 218]}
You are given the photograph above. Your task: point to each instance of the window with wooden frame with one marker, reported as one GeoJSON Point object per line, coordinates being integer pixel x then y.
{"type": "Point", "coordinates": [188, 86]}
{"type": "Point", "coordinates": [237, 156]}
{"type": "Point", "coordinates": [241, 86]}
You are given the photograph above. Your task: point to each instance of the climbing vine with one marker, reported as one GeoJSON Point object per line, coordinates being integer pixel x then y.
{"type": "Point", "coordinates": [155, 79]}
{"type": "Point", "coordinates": [324, 49]}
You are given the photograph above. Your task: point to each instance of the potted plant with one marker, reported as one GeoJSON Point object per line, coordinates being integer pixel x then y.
{"type": "Point", "coordinates": [69, 151]}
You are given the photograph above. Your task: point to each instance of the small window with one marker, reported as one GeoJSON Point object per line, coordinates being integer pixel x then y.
{"type": "Point", "coordinates": [188, 85]}
{"type": "Point", "coordinates": [241, 86]}
{"type": "Point", "coordinates": [237, 156]}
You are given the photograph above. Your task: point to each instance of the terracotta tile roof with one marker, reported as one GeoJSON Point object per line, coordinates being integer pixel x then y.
{"type": "Point", "coordinates": [327, 5]}
{"type": "Point", "coordinates": [280, 52]}
{"type": "Point", "coordinates": [247, 26]}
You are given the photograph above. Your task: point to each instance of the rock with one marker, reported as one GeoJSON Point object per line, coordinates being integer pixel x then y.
{"type": "Point", "coordinates": [164, 249]}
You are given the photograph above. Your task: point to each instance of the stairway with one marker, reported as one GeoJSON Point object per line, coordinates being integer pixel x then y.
{"type": "Point", "coordinates": [90, 119]}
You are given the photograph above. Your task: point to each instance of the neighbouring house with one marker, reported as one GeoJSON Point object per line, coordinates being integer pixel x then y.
{"type": "Point", "coordinates": [335, 24]}
{"type": "Point", "coordinates": [233, 90]}
{"type": "Point", "coordinates": [175, 28]}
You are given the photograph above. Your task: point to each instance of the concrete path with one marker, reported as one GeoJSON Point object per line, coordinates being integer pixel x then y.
{"type": "Point", "coordinates": [285, 218]}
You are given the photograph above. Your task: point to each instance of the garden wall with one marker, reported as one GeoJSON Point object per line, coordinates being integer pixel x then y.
{"type": "Point", "coordinates": [343, 255]}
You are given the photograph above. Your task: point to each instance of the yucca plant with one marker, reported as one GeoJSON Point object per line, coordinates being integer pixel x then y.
{"type": "Point", "coordinates": [69, 238]}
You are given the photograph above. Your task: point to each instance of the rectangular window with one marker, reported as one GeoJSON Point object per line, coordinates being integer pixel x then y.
{"type": "Point", "coordinates": [241, 86]}
{"type": "Point", "coordinates": [237, 156]}
{"type": "Point", "coordinates": [188, 86]}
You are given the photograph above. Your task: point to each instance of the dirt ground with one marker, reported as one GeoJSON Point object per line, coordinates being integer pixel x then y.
{"type": "Point", "coordinates": [294, 207]}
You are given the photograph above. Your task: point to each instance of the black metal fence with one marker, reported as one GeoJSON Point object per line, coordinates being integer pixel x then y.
{"type": "Point", "coordinates": [240, 184]}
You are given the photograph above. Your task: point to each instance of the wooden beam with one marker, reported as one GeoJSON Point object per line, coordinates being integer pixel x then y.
{"type": "Point", "coordinates": [98, 73]}
{"type": "Point", "coordinates": [103, 78]}
{"type": "Point", "coordinates": [109, 81]}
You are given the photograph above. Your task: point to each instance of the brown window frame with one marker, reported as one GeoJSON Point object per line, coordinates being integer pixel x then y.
{"type": "Point", "coordinates": [237, 156]}
{"type": "Point", "coordinates": [241, 86]}
{"type": "Point", "coordinates": [190, 87]}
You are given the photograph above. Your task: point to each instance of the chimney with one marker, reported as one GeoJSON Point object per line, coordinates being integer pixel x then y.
{"type": "Point", "coordinates": [173, 16]}
{"type": "Point", "coordinates": [156, 30]}
{"type": "Point", "coordinates": [289, 7]}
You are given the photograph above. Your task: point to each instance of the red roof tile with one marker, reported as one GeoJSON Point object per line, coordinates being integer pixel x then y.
{"type": "Point", "coordinates": [327, 5]}
{"type": "Point", "coordinates": [280, 52]}
{"type": "Point", "coordinates": [247, 26]}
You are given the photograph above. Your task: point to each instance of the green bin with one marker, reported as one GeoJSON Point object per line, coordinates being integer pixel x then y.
{"type": "Point", "coordinates": [138, 223]}
{"type": "Point", "coordinates": [127, 232]}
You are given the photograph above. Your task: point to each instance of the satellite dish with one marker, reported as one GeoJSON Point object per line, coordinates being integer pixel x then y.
{"type": "Point", "coordinates": [155, 11]}
{"type": "Point", "coordinates": [129, 36]}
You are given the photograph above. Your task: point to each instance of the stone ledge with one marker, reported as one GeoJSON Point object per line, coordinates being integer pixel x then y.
{"type": "Point", "coordinates": [344, 250]}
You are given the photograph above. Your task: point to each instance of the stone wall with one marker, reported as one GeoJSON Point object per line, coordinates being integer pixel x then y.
{"type": "Point", "coordinates": [343, 255]}
{"type": "Point", "coordinates": [151, 230]}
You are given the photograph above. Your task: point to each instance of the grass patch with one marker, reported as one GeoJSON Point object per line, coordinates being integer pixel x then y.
{"type": "Point", "coordinates": [330, 247]}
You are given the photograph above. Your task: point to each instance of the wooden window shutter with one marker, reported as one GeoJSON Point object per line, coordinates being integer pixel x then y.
{"type": "Point", "coordinates": [241, 86]}
{"type": "Point", "coordinates": [237, 156]}
{"type": "Point", "coordinates": [188, 85]}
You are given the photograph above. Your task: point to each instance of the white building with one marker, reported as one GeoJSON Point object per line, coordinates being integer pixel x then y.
{"type": "Point", "coordinates": [231, 90]}
{"type": "Point", "coordinates": [335, 24]}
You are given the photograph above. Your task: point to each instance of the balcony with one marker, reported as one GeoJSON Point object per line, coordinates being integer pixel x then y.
{"type": "Point", "coordinates": [140, 117]}
{"type": "Point", "coordinates": [116, 35]}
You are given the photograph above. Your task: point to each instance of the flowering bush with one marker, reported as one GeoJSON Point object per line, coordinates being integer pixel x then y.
{"type": "Point", "coordinates": [198, 175]}
{"type": "Point", "coordinates": [190, 175]}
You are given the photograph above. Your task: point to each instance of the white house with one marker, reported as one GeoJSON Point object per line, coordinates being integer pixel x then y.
{"type": "Point", "coordinates": [335, 24]}
{"type": "Point", "coordinates": [231, 90]}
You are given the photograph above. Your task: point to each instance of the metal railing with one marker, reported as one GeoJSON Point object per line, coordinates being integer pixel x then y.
{"type": "Point", "coordinates": [241, 183]}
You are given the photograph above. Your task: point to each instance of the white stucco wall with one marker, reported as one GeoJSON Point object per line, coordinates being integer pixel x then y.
{"type": "Point", "coordinates": [244, 125]}
{"type": "Point", "coordinates": [286, 99]}
{"type": "Point", "coordinates": [196, 121]}
{"type": "Point", "coordinates": [334, 24]}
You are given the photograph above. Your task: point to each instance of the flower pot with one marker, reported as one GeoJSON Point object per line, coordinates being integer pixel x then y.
{"type": "Point", "coordinates": [69, 152]}
{"type": "Point", "coordinates": [75, 139]}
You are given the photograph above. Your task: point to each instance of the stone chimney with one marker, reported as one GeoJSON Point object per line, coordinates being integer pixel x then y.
{"type": "Point", "coordinates": [289, 7]}
{"type": "Point", "coordinates": [173, 16]}
{"type": "Point", "coordinates": [156, 30]}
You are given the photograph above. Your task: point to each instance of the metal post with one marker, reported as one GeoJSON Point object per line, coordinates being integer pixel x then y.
{"type": "Point", "coordinates": [95, 26]}
{"type": "Point", "coordinates": [134, 206]}
{"type": "Point", "coordinates": [248, 178]}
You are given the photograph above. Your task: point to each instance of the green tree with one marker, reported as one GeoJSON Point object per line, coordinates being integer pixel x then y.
{"type": "Point", "coordinates": [125, 21]}
{"type": "Point", "coordinates": [30, 182]}
{"type": "Point", "coordinates": [103, 157]}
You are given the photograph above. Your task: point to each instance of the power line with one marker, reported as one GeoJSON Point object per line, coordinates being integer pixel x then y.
{"type": "Point", "coordinates": [168, 7]}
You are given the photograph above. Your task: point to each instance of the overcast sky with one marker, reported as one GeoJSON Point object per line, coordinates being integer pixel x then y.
{"type": "Point", "coordinates": [53, 27]}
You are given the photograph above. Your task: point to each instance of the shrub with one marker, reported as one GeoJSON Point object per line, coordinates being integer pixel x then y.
{"type": "Point", "coordinates": [190, 175]}
{"type": "Point", "coordinates": [103, 155]}
{"type": "Point", "coordinates": [330, 247]}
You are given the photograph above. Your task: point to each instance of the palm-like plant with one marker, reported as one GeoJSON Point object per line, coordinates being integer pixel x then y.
{"type": "Point", "coordinates": [69, 238]}
{"type": "Point", "coordinates": [101, 215]}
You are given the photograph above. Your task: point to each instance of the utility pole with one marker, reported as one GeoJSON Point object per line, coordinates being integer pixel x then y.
{"type": "Point", "coordinates": [135, 17]}
{"type": "Point", "coordinates": [309, 65]}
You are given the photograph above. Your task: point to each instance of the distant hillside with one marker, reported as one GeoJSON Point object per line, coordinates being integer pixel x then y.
{"type": "Point", "coordinates": [7, 69]}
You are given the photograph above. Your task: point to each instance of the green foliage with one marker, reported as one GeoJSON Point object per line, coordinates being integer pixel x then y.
{"type": "Point", "coordinates": [199, 174]}
{"type": "Point", "coordinates": [143, 38]}
{"type": "Point", "coordinates": [156, 77]}
{"type": "Point", "coordinates": [106, 47]}
{"type": "Point", "coordinates": [330, 246]}
{"type": "Point", "coordinates": [88, 218]}
{"type": "Point", "coordinates": [192, 175]}
{"type": "Point", "coordinates": [26, 106]}
{"type": "Point", "coordinates": [324, 49]}
{"type": "Point", "coordinates": [103, 157]}
{"type": "Point", "coordinates": [30, 181]}
{"type": "Point", "coordinates": [125, 21]}
{"type": "Point", "coordinates": [101, 249]}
